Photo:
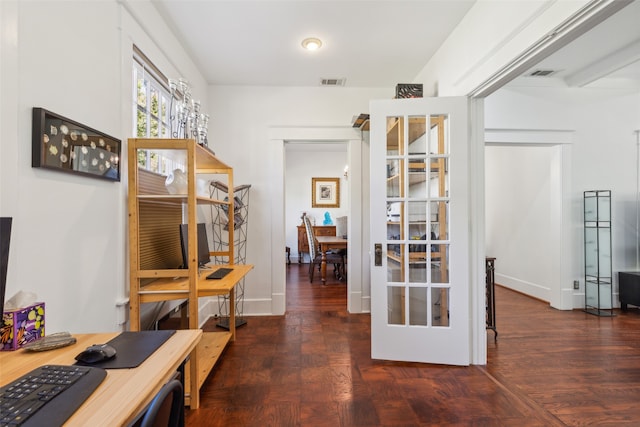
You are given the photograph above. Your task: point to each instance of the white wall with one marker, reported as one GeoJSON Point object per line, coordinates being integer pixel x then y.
{"type": "Point", "coordinates": [69, 241]}
{"type": "Point", "coordinates": [489, 38]}
{"type": "Point", "coordinates": [604, 156]}
{"type": "Point", "coordinates": [301, 165]}
{"type": "Point", "coordinates": [240, 121]}
{"type": "Point", "coordinates": [69, 232]}
{"type": "Point", "coordinates": [518, 224]}
{"type": "Point", "coordinates": [69, 236]}
{"type": "Point", "coordinates": [66, 242]}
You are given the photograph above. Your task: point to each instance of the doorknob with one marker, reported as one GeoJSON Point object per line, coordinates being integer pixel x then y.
{"type": "Point", "coordinates": [378, 254]}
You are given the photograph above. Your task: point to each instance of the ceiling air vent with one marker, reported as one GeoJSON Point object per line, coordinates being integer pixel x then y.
{"type": "Point", "coordinates": [332, 82]}
{"type": "Point", "coordinates": [542, 73]}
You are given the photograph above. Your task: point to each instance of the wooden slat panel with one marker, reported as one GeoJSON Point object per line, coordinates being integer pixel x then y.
{"type": "Point", "coordinates": [159, 226]}
{"type": "Point", "coordinates": [160, 235]}
{"type": "Point", "coordinates": [151, 183]}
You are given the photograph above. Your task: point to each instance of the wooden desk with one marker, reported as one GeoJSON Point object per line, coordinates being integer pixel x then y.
{"type": "Point", "coordinates": [326, 243]}
{"type": "Point", "coordinates": [172, 284]}
{"type": "Point", "coordinates": [124, 393]}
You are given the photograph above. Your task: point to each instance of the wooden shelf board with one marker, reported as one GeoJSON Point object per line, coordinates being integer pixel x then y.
{"type": "Point", "coordinates": [162, 296]}
{"type": "Point", "coordinates": [417, 256]}
{"type": "Point", "coordinates": [205, 160]}
{"type": "Point", "coordinates": [361, 122]}
{"type": "Point", "coordinates": [417, 177]}
{"type": "Point", "coordinates": [209, 350]}
{"type": "Point", "coordinates": [180, 199]}
{"type": "Point", "coordinates": [166, 274]}
{"type": "Point", "coordinates": [222, 286]}
{"type": "Point", "coordinates": [414, 257]}
{"type": "Point", "coordinates": [168, 288]}
{"type": "Point", "coordinates": [417, 128]}
{"type": "Point", "coordinates": [415, 164]}
{"type": "Point", "coordinates": [410, 223]}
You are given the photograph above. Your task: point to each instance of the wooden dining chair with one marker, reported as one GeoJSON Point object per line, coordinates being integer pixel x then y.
{"type": "Point", "coordinates": [316, 256]}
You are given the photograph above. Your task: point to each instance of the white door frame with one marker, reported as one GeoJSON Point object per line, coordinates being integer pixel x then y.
{"type": "Point", "coordinates": [357, 294]}
{"type": "Point", "coordinates": [573, 27]}
{"type": "Point", "coordinates": [560, 294]}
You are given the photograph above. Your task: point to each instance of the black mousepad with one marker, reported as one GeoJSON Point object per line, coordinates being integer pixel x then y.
{"type": "Point", "coordinates": [132, 348]}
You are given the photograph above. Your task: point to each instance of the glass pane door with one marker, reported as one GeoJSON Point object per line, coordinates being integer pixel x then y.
{"type": "Point", "coordinates": [417, 200]}
{"type": "Point", "coordinates": [413, 293]}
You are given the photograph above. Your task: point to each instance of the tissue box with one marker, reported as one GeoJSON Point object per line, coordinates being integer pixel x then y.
{"type": "Point", "coordinates": [21, 326]}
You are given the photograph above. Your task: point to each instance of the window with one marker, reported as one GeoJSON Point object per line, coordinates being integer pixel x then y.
{"type": "Point", "coordinates": [151, 112]}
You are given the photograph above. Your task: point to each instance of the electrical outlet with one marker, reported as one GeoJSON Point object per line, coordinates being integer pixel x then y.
{"type": "Point", "coordinates": [576, 284]}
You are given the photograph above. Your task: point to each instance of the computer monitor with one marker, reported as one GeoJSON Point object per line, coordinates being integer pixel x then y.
{"type": "Point", "coordinates": [5, 238]}
{"type": "Point", "coordinates": [203, 245]}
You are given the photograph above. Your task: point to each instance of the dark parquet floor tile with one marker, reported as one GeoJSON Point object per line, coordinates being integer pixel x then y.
{"type": "Point", "coordinates": [312, 367]}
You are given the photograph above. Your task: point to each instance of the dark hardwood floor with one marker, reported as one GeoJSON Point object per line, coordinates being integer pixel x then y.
{"type": "Point", "coordinates": [312, 367]}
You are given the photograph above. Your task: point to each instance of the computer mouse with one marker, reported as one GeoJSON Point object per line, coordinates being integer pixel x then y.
{"type": "Point", "coordinates": [96, 353]}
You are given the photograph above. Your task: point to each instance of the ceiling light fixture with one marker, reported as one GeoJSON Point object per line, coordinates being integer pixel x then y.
{"type": "Point", "coordinates": [311, 43]}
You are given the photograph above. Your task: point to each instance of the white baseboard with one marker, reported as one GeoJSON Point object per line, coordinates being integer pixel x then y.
{"type": "Point", "coordinates": [532, 289]}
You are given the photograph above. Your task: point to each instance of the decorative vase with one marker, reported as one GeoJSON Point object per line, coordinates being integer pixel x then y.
{"type": "Point", "coordinates": [202, 186]}
{"type": "Point", "coordinates": [176, 182]}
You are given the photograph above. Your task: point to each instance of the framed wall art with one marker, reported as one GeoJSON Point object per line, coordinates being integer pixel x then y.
{"type": "Point", "coordinates": [325, 192]}
{"type": "Point", "coordinates": [62, 144]}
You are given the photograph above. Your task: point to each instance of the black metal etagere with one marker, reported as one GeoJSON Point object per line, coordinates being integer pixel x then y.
{"type": "Point", "coordinates": [220, 218]}
{"type": "Point", "coordinates": [598, 286]}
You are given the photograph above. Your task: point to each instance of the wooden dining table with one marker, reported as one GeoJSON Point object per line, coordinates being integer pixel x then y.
{"type": "Point", "coordinates": [326, 243]}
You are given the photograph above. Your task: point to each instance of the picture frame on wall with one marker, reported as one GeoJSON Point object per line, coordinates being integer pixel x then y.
{"type": "Point", "coordinates": [325, 192]}
{"type": "Point", "coordinates": [62, 144]}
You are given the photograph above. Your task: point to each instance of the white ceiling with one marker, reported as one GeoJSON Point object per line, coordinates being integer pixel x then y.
{"type": "Point", "coordinates": [370, 43]}
{"type": "Point", "coordinates": [606, 56]}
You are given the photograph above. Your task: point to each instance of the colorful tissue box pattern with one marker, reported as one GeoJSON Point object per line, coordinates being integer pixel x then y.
{"type": "Point", "coordinates": [21, 326]}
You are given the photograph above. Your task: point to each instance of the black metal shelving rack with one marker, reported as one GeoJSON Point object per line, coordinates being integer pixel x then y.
{"type": "Point", "coordinates": [490, 295]}
{"type": "Point", "coordinates": [598, 286]}
{"type": "Point", "coordinates": [220, 217]}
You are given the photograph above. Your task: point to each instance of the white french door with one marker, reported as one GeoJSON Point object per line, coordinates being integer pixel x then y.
{"type": "Point", "coordinates": [420, 281]}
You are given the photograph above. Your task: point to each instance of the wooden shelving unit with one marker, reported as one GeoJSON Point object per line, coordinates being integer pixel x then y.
{"type": "Point", "coordinates": [436, 166]}
{"type": "Point", "coordinates": [154, 246]}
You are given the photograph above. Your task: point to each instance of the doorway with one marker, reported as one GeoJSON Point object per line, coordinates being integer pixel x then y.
{"type": "Point", "coordinates": [527, 191]}
{"type": "Point", "coordinates": [358, 300]}
{"type": "Point", "coordinates": [304, 162]}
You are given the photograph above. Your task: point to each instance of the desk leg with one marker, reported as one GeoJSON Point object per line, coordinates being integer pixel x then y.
{"type": "Point", "coordinates": [194, 391]}
{"type": "Point", "coordinates": [323, 267]}
{"type": "Point", "coordinates": [232, 312]}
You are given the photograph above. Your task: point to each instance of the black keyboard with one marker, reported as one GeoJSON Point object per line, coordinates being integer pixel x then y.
{"type": "Point", "coordinates": [48, 395]}
{"type": "Point", "coordinates": [220, 273]}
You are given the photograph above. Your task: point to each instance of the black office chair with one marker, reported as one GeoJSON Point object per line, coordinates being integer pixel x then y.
{"type": "Point", "coordinates": [167, 407]}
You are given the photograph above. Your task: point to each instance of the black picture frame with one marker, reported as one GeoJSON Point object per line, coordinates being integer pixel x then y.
{"type": "Point", "coordinates": [62, 144]}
